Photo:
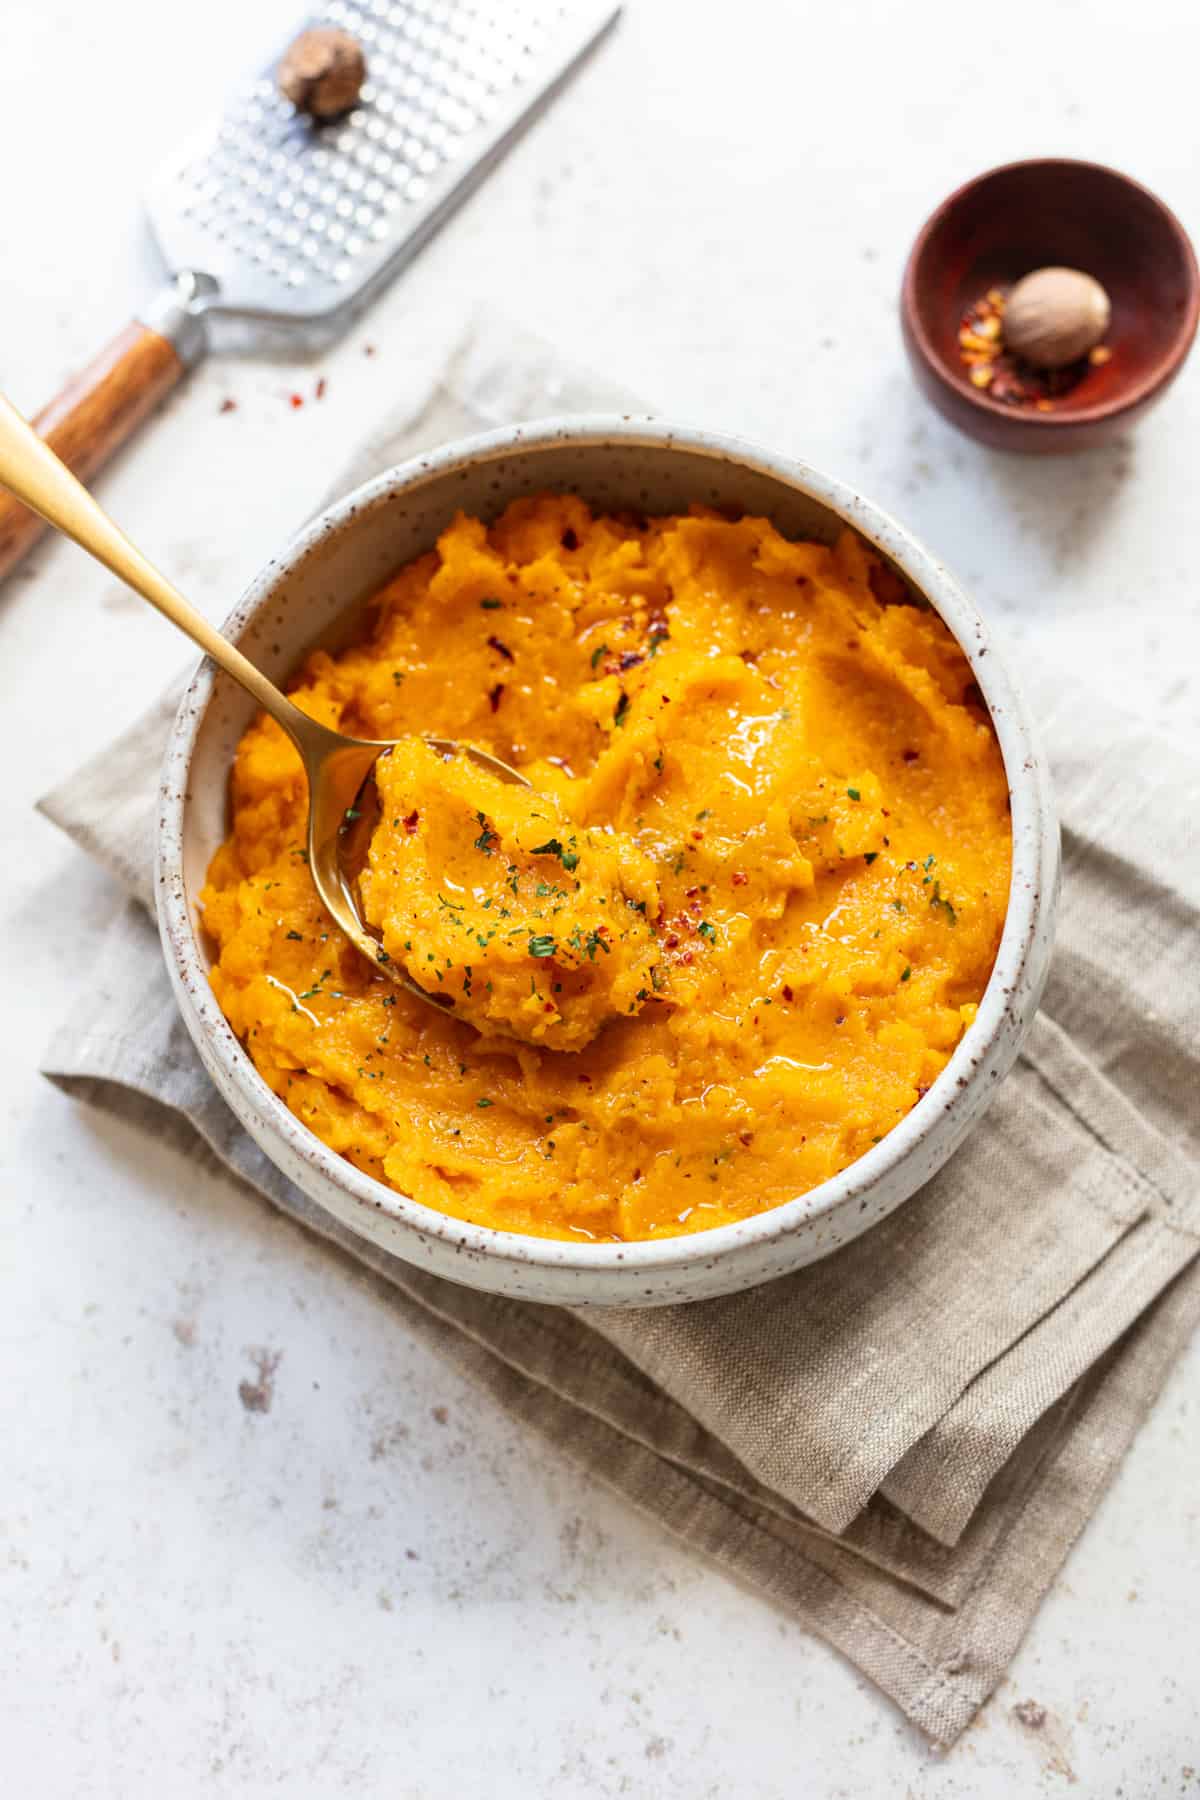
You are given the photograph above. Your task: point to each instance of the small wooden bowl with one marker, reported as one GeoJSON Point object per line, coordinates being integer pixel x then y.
{"type": "Point", "coordinates": [1020, 217]}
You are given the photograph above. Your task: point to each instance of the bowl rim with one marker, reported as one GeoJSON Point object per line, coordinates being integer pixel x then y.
{"type": "Point", "coordinates": [1129, 399]}
{"type": "Point", "coordinates": [1030, 804]}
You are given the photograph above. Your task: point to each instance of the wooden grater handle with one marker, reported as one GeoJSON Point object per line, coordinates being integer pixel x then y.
{"type": "Point", "coordinates": [94, 414]}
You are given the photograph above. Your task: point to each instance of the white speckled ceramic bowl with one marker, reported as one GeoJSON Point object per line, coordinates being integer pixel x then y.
{"type": "Point", "coordinates": [315, 592]}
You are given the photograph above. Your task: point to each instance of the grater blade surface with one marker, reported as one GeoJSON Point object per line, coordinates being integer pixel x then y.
{"type": "Point", "coordinates": [295, 221]}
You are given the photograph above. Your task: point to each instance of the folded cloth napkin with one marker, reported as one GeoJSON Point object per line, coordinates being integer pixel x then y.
{"type": "Point", "coordinates": [901, 1443]}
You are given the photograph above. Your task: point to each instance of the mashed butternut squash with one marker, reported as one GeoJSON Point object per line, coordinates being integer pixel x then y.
{"type": "Point", "coordinates": [501, 908]}
{"type": "Point", "coordinates": [785, 808]}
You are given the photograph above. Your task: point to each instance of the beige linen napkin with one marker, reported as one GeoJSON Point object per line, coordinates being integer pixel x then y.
{"type": "Point", "coordinates": [901, 1443]}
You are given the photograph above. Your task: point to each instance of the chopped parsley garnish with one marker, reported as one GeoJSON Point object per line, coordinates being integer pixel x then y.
{"type": "Point", "coordinates": [552, 847]}
{"type": "Point", "coordinates": [491, 605]}
{"type": "Point", "coordinates": [487, 839]}
{"type": "Point", "coordinates": [707, 930]}
{"type": "Point", "coordinates": [352, 813]}
{"type": "Point", "coordinates": [296, 936]}
{"type": "Point", "coordinates": [854, 793]}
{"type": "Point", "coordinates": [869, 858]}
{"type": "Point", "coordinates": [936, 901]}
{"type": "Point", "coordinates": [541, 944]}
{"type": "Point", "coordinates": [483, 1102]}
{"type": "Point", "coordinates": [598, 652]}
{"type": "Point", "coordinates": [398, 676]}
{"type": "Point", "coordinates": [622, 709]}
{"type": "Point", "coordinates": [906, 974]}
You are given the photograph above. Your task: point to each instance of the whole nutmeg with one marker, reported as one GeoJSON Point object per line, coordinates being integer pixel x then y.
{"type": "Point", "coordinates": [1055, 316]}
{"type": "Point", "coordinates": [323, 71]}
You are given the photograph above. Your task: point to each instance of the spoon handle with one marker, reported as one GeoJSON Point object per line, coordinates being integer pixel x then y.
{"type": "Point", "coordinates": [30, 470]}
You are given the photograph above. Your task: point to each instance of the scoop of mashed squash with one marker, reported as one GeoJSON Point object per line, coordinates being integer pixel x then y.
{"type": "Point", "coordinates": [499, 906]}
{"type": "Point", "coordinates": [763, 741]}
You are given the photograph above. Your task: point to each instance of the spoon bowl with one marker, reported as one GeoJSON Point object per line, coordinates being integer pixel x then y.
{"type": "Point", "coordinates": [343, 808]}
{"type": "Point", "coordinates": [336, 768]}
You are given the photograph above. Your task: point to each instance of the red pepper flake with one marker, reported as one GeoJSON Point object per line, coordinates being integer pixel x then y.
{"type": "Point", "coordinates": [688, 958]}
{"type": "Point", "coordinates": [227, 405]}
{"type": "Point", "coordinates": [549, 1006]}
{"type": "Point", "coordinates": [500, 649]}
{"type": "Point", "coordinates": [319, 391]}
{"type": "Point", "coordinates": [745, 1138]}
{"type": "Point", "coordinates": [698, 835]}
{"type": "Point", "coordinates": [412, 821]}
{"type": "Point", "coordinates": [672, 942]}
{"type": "Point", "coordinates": [629, 659]}
{"type": "Point", "coordinates": [495, 695]}
{"type": "Point", "coordinates": [570, 540]}
{"type": "Point", "coordinates": [739, 878]}
{"type": "Point", "coordinates": [787, 993]}
{"type": "Point", "coordinates": [911, 755]}
{"type": "Point", "coordinates": [295, 400]}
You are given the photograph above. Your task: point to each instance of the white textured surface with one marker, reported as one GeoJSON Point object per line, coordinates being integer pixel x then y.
{"type": "Point", "coordinates": [199, 1598]}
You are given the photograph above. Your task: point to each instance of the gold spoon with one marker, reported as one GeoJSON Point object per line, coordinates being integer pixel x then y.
{"type": "Point", "coordinates": [336, 768]}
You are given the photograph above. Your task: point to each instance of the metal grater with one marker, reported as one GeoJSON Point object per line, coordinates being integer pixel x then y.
{"type": "Point", "coordinates": [269, 216]}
